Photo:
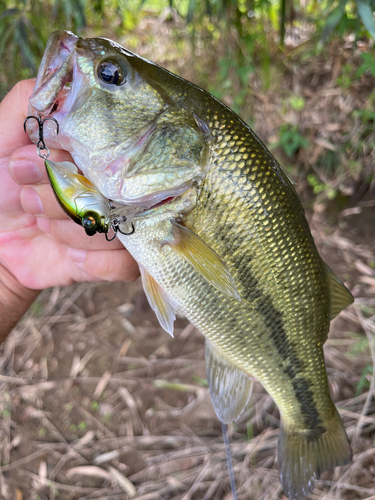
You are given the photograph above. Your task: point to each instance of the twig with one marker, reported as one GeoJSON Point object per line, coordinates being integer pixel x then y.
{"type": "Point", "coordinates": [12, 380]}
{"type": "Point", "coordinates": [23, 461]}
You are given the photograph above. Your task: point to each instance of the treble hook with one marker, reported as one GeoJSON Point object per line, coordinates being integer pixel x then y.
{"type": "Point", "coordinates": [41, 144]}
{"type": "Point", "coordinates": [114, 236]}
{"type": "Point", "coordinates": [116, 229]}
{"type": "Point", "coordinates": [126, 234]}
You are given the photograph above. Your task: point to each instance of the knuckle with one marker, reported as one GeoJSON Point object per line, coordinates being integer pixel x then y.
{"type": "Point", "coordinates": [23, 87]}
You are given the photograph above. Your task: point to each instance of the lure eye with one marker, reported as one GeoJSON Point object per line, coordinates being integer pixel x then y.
{"type": "Point", "coordinates": [89, 222]}
{"type": "Point", "coordinates": [112, 73]}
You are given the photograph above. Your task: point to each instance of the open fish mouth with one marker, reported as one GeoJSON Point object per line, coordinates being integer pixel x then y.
{"type": "Point", "coordinates": [55, 72]}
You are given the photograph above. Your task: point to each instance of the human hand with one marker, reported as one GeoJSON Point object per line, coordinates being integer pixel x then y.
{"type": "Point", "coordinates": [39, 246]}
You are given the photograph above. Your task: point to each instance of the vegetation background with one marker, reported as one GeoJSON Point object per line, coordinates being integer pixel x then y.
{"type": "Point", "coordinates": [96, 400]}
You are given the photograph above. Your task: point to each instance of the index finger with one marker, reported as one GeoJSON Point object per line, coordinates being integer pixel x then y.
{"type": "Point", "coordinates": [13, 111]}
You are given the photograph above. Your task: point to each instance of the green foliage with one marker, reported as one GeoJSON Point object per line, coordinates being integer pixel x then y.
{"type": "Point", "coordinates": [42, 432]}
{"type": "Point", "coordinates": [344, 16]}
{"type": "Point", "coordinates": [26, 24]}
{"type": "Point", "coordinates": [365, 10]}
{"type": "Point", "coordinates": [321, 187]}
{"type": "Point", "coordinates": [360, 346]}
{"type": "Point", "coordinates": [316, 184]}
{"type": "Point", "coordinates": [297, 102]}
{"type": "Point", "coordinates": [230, 76]}
{"type": "Point", "coordinates": [249, 430]}
{"type": "Point", "coordinates": [345, 79]}
{"type": "Point", "coordinates": [94, 405]}
{"type": "Point", "coordinates": [363, 381]}
{"type": "Point", "coordinates": [368, 64]}
{"type": "Point", "coordinates": [199, 380]}
{"type": "Point", "coordinates": [82, 426]}
{"type": "Point", "coordinates": [290, 140]}
{"type": "Point", "coordinates": [349, 74]}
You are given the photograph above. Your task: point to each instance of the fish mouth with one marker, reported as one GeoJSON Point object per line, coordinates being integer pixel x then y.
{"type": "Point", "coordinates": [161, 203]}
{"type": "Point", "coordinates": [55, 74]}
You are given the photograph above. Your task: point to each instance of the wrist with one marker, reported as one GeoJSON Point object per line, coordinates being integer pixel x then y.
{"type": "Point", "coordinates": [15, 300]}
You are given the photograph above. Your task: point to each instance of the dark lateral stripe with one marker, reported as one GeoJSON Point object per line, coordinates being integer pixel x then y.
{"type": "Point", "coordinates": [294, 366]}
{"type": "Point", "coordinates": [252, 292]}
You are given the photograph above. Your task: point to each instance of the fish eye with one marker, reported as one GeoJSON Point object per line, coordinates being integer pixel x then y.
{"type": "Point", "coordinates": [112, 72]}
{"type": "Point", "coordinates": [89, 222]}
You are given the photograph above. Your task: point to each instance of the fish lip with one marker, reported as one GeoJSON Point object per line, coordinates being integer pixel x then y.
{"type": "Point", "coordinates": [164, 198]}
{"type": "Point", "coordinates": [56, 69]}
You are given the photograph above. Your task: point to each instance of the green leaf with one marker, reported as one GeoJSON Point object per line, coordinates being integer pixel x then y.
{"type": "Point", "coordinates": [367, 65]}
{"type": "Point", "coordinates": [5, 37]}
{"type": "Point", "coordinates": [9, 12]}
{"type": "Point", "coordinates": [363, 382]}
{"type": "Point", "coordinates": [333, 19]}
{"type": "Point", "coordinates": [366, 14]}
{"type": "Point", "coordinates": [191, 8]}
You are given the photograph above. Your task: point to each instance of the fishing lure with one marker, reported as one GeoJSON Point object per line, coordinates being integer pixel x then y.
{"type": "Point", "coordinates": [82, 202]}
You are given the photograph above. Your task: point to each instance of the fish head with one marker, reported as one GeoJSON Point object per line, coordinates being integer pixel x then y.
{"type": "Point", "coordinates": [120, 116]}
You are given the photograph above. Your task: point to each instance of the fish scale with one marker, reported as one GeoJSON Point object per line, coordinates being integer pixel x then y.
{"type": "Point", "coordinates": [221, 236]}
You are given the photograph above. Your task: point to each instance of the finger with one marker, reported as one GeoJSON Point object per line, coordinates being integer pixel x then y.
{"type": "Point", "coordinates": [73, 235]}
{"type": "Point", "coordinates": [40, 263]}
{"type": "Point", "coordinates": [40, 200]}
{"type": "Point", "coordinates": [26, 167]}
{"type": "Point", "coordinates": [10, 204]}
{"type": "Point", "coordinates": [14, 108]}
{"type": "Point", "coordinates": [114, 265]}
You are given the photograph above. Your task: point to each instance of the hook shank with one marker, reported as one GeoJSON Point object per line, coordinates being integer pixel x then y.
{"type": "Point", "coordinates": [41, 144]}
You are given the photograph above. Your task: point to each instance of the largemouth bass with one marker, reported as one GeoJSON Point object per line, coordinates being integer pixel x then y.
{"type": "Point", "coordinates": [222, 236]}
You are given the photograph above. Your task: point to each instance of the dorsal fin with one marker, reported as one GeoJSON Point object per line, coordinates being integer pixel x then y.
{"type": "Point", "coordinates": [204, 260]}
{"type": "Point", "coordinates": [340, 295]}
{"type": "Point", "coordinates": [230, 388]}
{"type": "Point", "coordinates": [159, 301]}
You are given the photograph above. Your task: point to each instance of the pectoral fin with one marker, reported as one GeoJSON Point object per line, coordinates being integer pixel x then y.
{"type": "Point", "coordinates": [204, 260]}
{"type": "Point", "coordinates": [159, 301]}
{"type": "Point", "coordinates": [230, 388]}
{"type": "Point", "coordinates": [340, 295]}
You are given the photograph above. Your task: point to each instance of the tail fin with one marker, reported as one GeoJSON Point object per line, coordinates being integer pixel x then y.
{"type": "Point", "coordinates": [303, 457]}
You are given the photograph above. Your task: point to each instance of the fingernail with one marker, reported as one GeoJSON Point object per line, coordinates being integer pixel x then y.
{"type": "Point", "coordinates": [31, 202]}
{"type": "Point", "coordinates": [24, 172]}
{"type": "Point", "coordinates": [77, 256]}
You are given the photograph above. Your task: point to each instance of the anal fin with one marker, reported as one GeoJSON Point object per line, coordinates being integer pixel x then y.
{"type": "Point", "coordinates": [159, 301]}
{"type": "Point", "coordinates": [339, 294]}
{"type": "Point", "coordinates": [204, 260]}
{"type": "Point", "coordinates": [230, 387]}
